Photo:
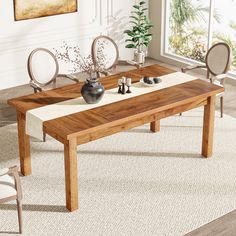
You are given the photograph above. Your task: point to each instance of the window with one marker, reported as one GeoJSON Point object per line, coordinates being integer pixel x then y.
{"type": "Point", "coordinates": [225, 28]}
{"type": "Point", "coordinates": [193, 26]}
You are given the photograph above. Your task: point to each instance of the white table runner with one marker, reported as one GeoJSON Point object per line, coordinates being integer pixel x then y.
{"type": "Point", "coordinates": [36, 117]}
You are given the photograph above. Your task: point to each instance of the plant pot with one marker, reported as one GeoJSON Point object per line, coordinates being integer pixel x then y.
{"type": "Point", "coordinates": [92, 91]}
{"type": "Point", "coordinates": [139, 57]}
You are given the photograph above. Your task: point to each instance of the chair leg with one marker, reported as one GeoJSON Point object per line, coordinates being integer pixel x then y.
{"type": "Point", "coordinates": [221, 107]}
{"type": "Point", "coordinates": [19, 210]}
{"type": "Point", "coordinates": [44, 137]}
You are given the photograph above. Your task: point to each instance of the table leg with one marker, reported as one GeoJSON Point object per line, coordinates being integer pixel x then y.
{"type": "Point", "coordinates": [155, 126]}
{"type": "Point", "coordinates": [208, 127]}
{"type": "Point", "coordinates": [24, 145]}
{"type": "Point", "coordinates": [71, 175]}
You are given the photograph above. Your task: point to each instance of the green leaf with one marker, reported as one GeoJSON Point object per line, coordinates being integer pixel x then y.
{"type": "Point", "coordinates": [137, 37]}
{"type": "Point", "coordinates": [147, 39]}
{"type": "Point", "coordinates": [133, 22]}
{"type": "Point", "coordinates": [130, 46]}
{"type": "Point", "coordinates": [129, 40]}
{"type": "Point", "coordinates": [136, 6]}
{"type": "Point", "coordinates": [141, 13]}
{"type": "Point", "coordinates": [136, 12]}
{"type": "Point", "coordinates": [134, 17]}
{"type": "Point", "coordinates": [131, 34]}
{"type": "Point", "coordinates": [127, 31]}
{"type": "Point", "coordinates": [141, 3]}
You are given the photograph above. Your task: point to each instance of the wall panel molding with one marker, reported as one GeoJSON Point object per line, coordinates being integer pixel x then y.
{"type": "Point", "coordinates": [94, 17]}
{"type": "Point", "coordinates": [92, 22]}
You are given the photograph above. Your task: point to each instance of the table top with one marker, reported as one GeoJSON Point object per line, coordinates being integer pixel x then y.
{"type": "Point", "coordinates": [119, 112]}
{"type": "Point", "coordinates": [29, 102]}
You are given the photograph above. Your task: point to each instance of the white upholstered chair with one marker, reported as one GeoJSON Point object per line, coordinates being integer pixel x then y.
{"type": "Point", "coordinates": [105, 51]}
{"type": "Point", "coordinates": [218, 61]}
{"type": "Point", "coordinates": [43, 69]}
{"type": "Point", "coordinates": [10, 189]}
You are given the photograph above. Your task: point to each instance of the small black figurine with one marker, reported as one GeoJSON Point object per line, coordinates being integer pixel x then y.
{"type": "Point", "coordinates": [120, 85]}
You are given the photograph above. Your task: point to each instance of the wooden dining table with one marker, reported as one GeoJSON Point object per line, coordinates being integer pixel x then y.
{"type": "Point", "coordinates": [86, 126]}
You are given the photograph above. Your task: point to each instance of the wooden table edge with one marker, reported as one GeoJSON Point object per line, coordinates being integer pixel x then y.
{"type": "Point", "coordinates": [64, 139]}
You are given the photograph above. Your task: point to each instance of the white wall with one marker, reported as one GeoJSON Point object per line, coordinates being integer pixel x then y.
{"type": "Point", "coordinates": [155, 14]}
{"type": "Point", "coordinates": [19, 38]}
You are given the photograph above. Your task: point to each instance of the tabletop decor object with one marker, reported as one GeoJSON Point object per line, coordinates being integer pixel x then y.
{"type": "Point", "coordinates": [150, 81]}
{"type": "Point", "coordinates": [91, 91]}
{"type": "Point", "coordinates": [71, 54]}
{"type": "Point", "coordinates": [139, 36]}
{"type": "Point", "coordinates": [123, 83]}
{"type": "Point", "coordinates": [119, 85]}
{"type": "Point", "coordinates": [128, 83]}
{"type": "Point", "coordinates": [123, 91]}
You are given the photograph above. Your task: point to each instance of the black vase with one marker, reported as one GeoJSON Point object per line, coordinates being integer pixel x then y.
{"type": "Point", "coordinates": [92, 91]}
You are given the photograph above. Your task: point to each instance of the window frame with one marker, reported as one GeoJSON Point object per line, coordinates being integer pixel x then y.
{"type": "Point", "coordinates": [165, 33]}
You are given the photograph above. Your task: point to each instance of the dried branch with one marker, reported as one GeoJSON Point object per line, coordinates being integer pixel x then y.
{"type": "Point", "coordinates": [72, 55]}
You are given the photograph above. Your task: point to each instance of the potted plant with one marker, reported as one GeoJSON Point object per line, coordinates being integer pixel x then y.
{"type": "Point", "coordinates": [139, 36]}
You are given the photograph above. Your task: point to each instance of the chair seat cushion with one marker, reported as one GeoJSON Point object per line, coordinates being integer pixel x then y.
{"type": "Point", "coordinates": [7, 187]}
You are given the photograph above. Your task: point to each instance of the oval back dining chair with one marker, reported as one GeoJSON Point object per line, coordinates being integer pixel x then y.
{"type": "Point", "coordinates": [10, 189]}
{"type": "Point", "coordinates": [43, 69]}
{"type": "Point", "coordinates": [105, 54]}
{"type": "Point", "coordinates": [218, 61]}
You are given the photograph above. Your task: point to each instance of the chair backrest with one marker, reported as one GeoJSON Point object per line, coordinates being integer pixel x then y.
{"type": "Point", "coordinates": [105, 51]}
{"type": "Point", "coordinates": [218, 59]}
{"type": "Point", "coordinates": [43, 66]}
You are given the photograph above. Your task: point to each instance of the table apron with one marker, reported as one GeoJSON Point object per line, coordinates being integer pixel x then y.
{"type": "Point", "coordinates": [119, 126]}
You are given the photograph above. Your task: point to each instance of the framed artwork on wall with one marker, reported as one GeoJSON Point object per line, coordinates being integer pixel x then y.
{"type": "Point", "coordinates": [29, 9]}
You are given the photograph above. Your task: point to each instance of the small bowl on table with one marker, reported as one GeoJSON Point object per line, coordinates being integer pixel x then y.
{"type": "Point", "coordinates": [150, 81]}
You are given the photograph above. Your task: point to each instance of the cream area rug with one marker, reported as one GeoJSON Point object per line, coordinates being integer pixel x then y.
{"type": "Point", "coordinates": [131, 183]}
